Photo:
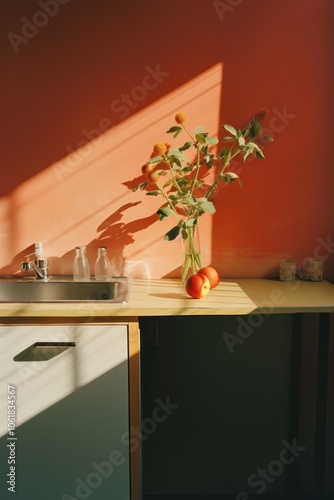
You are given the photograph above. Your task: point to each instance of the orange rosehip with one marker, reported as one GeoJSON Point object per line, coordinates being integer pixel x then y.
{"type": "Point", "coordinates": [180, 118]}
{"type": "Point", "coordinates": [152, 177]}
{"type": "Point", "coordinates": [159, 149]}
{"type": "Point", "coordinates": [148, 167]}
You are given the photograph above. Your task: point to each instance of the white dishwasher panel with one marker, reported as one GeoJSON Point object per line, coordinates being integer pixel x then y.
{"type": "Point", "coordinates": [71, 412]}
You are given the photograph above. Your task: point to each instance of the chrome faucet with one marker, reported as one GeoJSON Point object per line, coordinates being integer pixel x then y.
{"type": "Point", "coordinates": [39, 266]}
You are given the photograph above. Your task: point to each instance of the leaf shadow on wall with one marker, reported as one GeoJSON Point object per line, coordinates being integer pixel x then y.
{"type": "Point", "coordinates": [118, 235]}
{"type": "Point", "coordinates": [113, 233]}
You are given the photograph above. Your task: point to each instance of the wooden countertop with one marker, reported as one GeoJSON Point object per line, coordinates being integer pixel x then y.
{"type": "Point", "coordinates": [166, 297]}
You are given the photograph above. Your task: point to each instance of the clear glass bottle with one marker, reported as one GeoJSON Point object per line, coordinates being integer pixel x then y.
{"type": "Point", "coordinates": [102, 265]}
{"type": "Point", "coordinates": [81, 269]}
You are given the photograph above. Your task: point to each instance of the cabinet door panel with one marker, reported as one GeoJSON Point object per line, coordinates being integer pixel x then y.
{"type": "Point", "coordinates": [231, 399]}
{"type": "Point", "coordinates": [71, 413]}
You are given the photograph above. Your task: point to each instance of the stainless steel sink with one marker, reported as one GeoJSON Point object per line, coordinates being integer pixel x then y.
{"type": "Point", "coordinates": [63, 289]}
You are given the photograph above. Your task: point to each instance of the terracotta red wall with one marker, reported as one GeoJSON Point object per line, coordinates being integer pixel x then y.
{"type": "Point", "coordinates": [88, 89]}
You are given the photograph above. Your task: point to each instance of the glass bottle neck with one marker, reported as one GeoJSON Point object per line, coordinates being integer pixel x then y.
{"type": "Point", "coordinates": [80, 250]}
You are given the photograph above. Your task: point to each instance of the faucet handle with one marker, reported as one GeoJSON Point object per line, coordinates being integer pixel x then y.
{"type": "Point", "coordinates": [26, 266]}
{"type": "Point", "coordinates": [42, 263]}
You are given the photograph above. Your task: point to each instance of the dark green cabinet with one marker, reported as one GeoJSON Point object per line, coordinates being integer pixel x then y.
{"type": "Point", "coordinates": [237, 420]}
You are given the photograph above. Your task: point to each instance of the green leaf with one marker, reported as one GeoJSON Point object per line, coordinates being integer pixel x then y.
{"type": "Point", "coordinates": [176, 128]}
{"type": "Point", "coordinates": [155, 159]}
{"type": "Point", "coordinates": [231, 129]}
{"type": "Point", "coordinates": [176, 161]}
{"type": "Point", "coordinates": [258, 152]}
{"type": "Point", "coordinates": [251, 144]}
{"type": "Point", "coordinates": [241, 141]}
{"type": "Point", "coordinates": [187, 169]}
{"type": "Point", "coordinates": [167, 183]}
{"type": "Point", "coordinates": [199, 130]}
{"type": "Point", "coordinates": [191, 222]}
{"type": "Point", "coordinates": [257, 127]}
{"type": "Point", "coordinates": [245, 132]}
{"type": "Point", "coordinates": [251, 134]}
{"type": "Point", "coordinates": [223, 152]}
{"type": "Point", "coordinates": [184, 234]}
{"type": "Point", "coordinates": [186, 145]}
{"type": "Point", "coordinates": [190, 199]}
{"type": "Point", "coordinates": [141, 185]}
{"type": "Point", "coordinates": [255, 150]}
{"type": "Point", "coordinates": [182, 182]}
{"type": "Point", "coordinates": [206, 205]}
{"type": "Point", "coordinates": [212, 140]}
{"type": "Point", "coordinates": [210, 161]}
{"type": "Point", "coordinates": [246, 154]}
{"type": "Point", "coordinates": [165, 212]}
{"type": "Point", "coordinates": [228, 139]}
{"type": "Point", "coordinates": [201, 138]}
{"type": "Point", "coordinates": [268, 137]}
{"type": "Point", "coordinates": [152, 193]}
{"type": "Point", "coordinates": [172, 233]}
{"type": "Point", "coordinates": [229, 177]}
{"type": "Point", "coordinates": [176, 152]}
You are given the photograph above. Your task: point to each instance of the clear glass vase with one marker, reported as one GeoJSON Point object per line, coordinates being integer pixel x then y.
{"type": "Point", "coordinates": [191, 252]}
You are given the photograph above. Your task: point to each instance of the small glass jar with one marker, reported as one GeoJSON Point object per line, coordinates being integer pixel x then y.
{"type": "Point", "coordinates": [315, 269]}
{"type": "Point", "coordinates": [287, 270]}
{"type": "Point", "coordinates": [102, 265]}
{"type": "Point", "coordinates": [81, 269]}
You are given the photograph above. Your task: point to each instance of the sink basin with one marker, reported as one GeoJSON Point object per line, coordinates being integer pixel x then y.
{"type": "Point", "coordinates": [62, 289]}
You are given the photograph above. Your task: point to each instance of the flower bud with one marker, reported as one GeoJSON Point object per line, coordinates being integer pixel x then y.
{"type": "Point", "coordinates": [180, 118]}
{"type": "Point", "coordinates": [159, 149]}
{"type": "Point", "coordinates": [148, 167]}
{"type": "Point", "coordinates": [261, 114]}
{"type": "Point", "coordinates": [152, 177]}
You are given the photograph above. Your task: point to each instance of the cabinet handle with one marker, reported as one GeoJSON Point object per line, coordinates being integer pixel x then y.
{"type": "Point", "coordinates": [43, 351]}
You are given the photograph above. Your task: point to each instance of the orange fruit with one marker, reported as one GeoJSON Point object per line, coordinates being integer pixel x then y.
{"type": "Point", "coordinates": [212, 275]}
{"type": "Point", "coordinates": [197, 286]}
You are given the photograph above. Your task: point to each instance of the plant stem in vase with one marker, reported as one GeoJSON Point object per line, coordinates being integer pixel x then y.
{"type": "Point", "coordinates": [191, 253]}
